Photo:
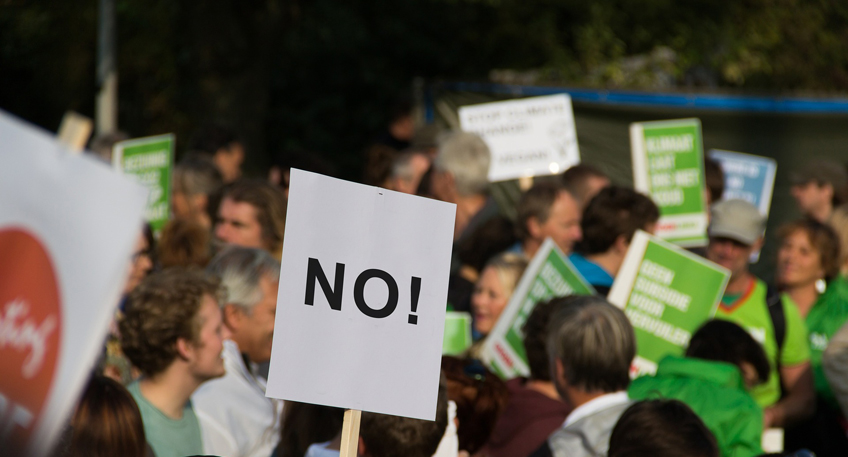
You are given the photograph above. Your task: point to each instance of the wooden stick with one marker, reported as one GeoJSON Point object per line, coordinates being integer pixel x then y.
{"type": "Point", "coordinates": [74, 131]}
{"type": "Point", "coordinates": [350, 433]}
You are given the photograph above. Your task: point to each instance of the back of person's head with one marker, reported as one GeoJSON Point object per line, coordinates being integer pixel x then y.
{"type": "Point", "coordinates": [240, 270]}
{"type": "Point", "coordinates": [723, 341]}
{"type": "Point", "coordinates": [390, 436]}
{"type": "Point", "coordinates": [536, 338]}
{"type": "Point", "coordinates": [480, 398]}
{"type": "Point", "coordinates": [615, 212]}
{"type": "Point", "coordinates": [465, 156]}
{"type": "Point", "coordinates": [196, 174]}
{"type": "Point", "coordinates": [184, 243]}
{"type": "Point", "coordinates": [211, 137]}
{"type": "Point", "coordinates": [106, 423]}
{"type": "Point", "coordinates": [491, 238]}
{"type": "Point", "coordinates": [714, 177]}
{"type": "Point", "coordinates": [161, 310]}
{"type": "Point", "coordinates": [583, 181]}
{"type": "Point", "coordinates": [661, 428]}
{"type": "Point", "coordinates": [305, 424]}
{"type": "Point", "coordinates": [594, 343]}
{"type": "Point", "coordinates": [270, 205]}
{"type": "Point", "coordinates": [536, 204]}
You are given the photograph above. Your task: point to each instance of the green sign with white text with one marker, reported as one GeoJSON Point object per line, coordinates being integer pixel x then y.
{"type": "Point", "coordinates": [668, 165]}
{"type": "Point", "coordinates": [149, 161]}
{"type": "Point", "coordinates": [667, 293]}
{"type": "Point", "coordinates": [550, 274]}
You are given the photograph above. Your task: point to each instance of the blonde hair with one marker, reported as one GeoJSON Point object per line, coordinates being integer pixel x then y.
{"type": "Point", "coordinates": [509, 266]}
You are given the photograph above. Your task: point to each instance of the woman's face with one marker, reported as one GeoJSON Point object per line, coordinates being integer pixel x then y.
{"type": "Point", "coordinates": [798, 261]}
{"type": "Point", "coordinates": [488, 301]}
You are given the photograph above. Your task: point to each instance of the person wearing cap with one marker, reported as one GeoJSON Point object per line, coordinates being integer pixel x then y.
{"type": "Point", "coordinates": [736, 230]}
{"type": "Point", "coordinates": [819, 187]}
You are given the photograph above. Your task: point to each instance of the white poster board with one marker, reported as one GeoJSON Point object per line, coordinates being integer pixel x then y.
{"type": "Point", "coordinates": [67, 228]}
{"type": "Point", "coordinates": [527, 137]}
{"type": "Point", "coordinates": [362, 298]}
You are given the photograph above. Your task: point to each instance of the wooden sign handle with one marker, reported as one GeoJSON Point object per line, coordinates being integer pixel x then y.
{"type": "Point", "coordinates": [350, 433]}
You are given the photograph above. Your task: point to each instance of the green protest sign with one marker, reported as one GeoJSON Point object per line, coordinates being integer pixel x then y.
{"type": "Point", "coordinates": [149, 160]}
{"type": "Point", "coordinates": [667, 293]}
{"type": "Point", "coordinates": [668, 165]}
{"type": "Point", "coordinates": [457, 337]}
{"type": "Point", "coordinates": [550, 274]}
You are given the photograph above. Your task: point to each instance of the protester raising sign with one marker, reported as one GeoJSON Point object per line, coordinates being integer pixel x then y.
{"type": "Point", "coordinates": [550, 274]}
{"type": "Point", "coordinates": [67, 228]}
{"type": "Point", "coordinates": [149, 160]}
{"type": "Point", "coordinates": [668, 164]}
{"type": "Point", "coordinates": [528, 137]}
{"type": "Point", "coordinates": [667, 293]}
{"type": "Point", "coordinates": [362, 298]}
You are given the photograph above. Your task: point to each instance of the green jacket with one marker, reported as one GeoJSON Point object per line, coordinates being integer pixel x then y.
{"type": "Point", "coordinates": [715, 391]}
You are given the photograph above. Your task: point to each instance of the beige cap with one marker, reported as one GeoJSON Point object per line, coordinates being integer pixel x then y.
{"type": "Point", "coordinates": [738, 220]}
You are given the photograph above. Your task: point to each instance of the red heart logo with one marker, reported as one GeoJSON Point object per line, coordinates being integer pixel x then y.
{"type": "Point", "coordinates": [30, 332]}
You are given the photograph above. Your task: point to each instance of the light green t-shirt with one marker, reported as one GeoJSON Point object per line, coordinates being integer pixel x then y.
{"type": "Point", "coordinates": [824, 319]}
{"type": "Point", "coordinates": [750, 311]}
{"type": "Point", "coordinates": [168, 437]}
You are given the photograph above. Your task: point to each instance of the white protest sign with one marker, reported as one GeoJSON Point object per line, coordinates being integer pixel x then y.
{"type": "Point", "coordinates": [362, 298]}
{"type": "Point", "coordinates": [528, 137]}
{"type": "Point", "coordinates": [67, 228]}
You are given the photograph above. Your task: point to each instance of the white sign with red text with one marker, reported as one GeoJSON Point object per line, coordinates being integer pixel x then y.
{"type": "Point", "coordinates": [67, 229]}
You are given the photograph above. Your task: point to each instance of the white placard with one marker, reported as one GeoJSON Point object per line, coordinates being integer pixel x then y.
{"type": "Point", "coordinates": [67, 228]}
{"type": "Point", "coordinates": [528, 137]}
{"type": "Point", "coordinates": [346, 334]}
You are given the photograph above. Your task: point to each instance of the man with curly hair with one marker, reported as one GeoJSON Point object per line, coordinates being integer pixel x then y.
{"type": "Point", "coordinates": [172, 331]}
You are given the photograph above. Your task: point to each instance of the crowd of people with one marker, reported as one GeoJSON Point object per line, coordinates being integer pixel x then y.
{"type": "Point", "coordinates": [183, 370]}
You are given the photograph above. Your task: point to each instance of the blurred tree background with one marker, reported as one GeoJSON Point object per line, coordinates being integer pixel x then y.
{"type": "Point", "coordinates": [320, 75]}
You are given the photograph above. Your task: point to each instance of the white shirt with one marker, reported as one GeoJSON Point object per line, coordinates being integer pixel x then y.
{"type": "Point", "coordinates": [594, 405]}
{"type": "Point", "coordinates": [236, 419]}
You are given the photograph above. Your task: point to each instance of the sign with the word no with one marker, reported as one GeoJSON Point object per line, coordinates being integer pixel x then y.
{"type": "Point", "coordinates": [67, 228]}
{"type": "Point", "coordinates": [362, 299]}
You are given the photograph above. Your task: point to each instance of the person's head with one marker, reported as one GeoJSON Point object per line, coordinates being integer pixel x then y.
{"type": "Point", "coordinates": [480, 398]}
{"type": "Point", "coordinates": [612, 217]}
{"type": "Point", "coordinates": [381, 435]}
{"type": "Point", "coordinates": [407, 169]}
{"type": "Point", "coordinates": [489, 239]}
{"type": "Point", "coordinates": [494, 289]}
{"type": "Point", "coordinates": [401, 124]}
{"type": "Point", "coordinates": [461, 167]}
{"type": "Point", "coordinates": [819, 186]}
{"type": "Point", "coordinates": [536, 339]}
{"type": "Point", "coordinates": [252, 214]}
{"type": "Point", "coordinates": [250, 278]}
{"type": "Point", "coordinates": [102, 145]}
{"type": "Point", "coordinates": [305, 424]}
{"type": "Point", "coordinates": [584, 182]}
{"type": "Point", "coordinates": [223, 145]}
{"type": "Point", "coordinates": [106, 422]}
{"type": "Point", "coordinates": [548, 210]}
{"type": "Point", "coordinates": [141, 261]}
{"type": "Point", "coordinates": [661, 428]}
{"type": "Point", "coordinates": [590, 345]}
{"type": "Point", "coordinates": [723, 341]}
{"type": "Point", "coordinates": [714, 177]}
{"type": "Point", "coordinates": [195, 179]}
{"type": "Point", "coordinates": [809, 251]}
{"type": "Point", "coordinates": [735, 231]}
{"type": "Point", "coordinates": [184, 243]}
{"type": "Point", "coordinates": [172, 318]}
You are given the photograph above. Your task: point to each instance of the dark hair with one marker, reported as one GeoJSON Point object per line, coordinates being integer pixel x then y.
{"type": "Point", "coordinates": [576, 178]}
{"type": "Point", "coordinates": [161, 310]}
{"type": "Point", "coordinates": [616, 211]}
{"type": "Point", "coordinates": [211, 137]}
{"type": "Point", "coordinates": [184, 243]}
{"type": "Point", "coordinates": [390, 436]}
{"type": "Point", "coordinates": [270, 204]}
{"type": "Point", "coordinates": [107, 422]}
{"type": "Point", "coordinates": [594, 341]}
{"type": "Point", "coordinates": [661, 428]}
{"type": "Point", "coordinates": [714, 177]}
{"type": "Point", "coordinates": [724, 341]}
{"type": "Point", "coordinates": [536, 338]}
{"type": "Point", "coordinates": [305, 424]}
{"type": "Point", "coordinates": [480, 398]}
{"type": "Point", "coordinates": [822, 237]}
{"type": "Point", "coordinates": [491, 238]}
{"type": "Point", "coordinates": [536, 203]}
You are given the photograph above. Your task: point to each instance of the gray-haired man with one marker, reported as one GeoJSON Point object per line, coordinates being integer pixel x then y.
{"type": "Point", "coordinates": [236, 418]}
